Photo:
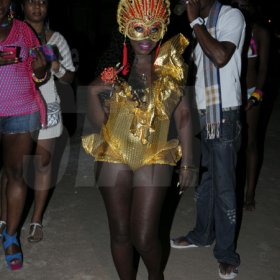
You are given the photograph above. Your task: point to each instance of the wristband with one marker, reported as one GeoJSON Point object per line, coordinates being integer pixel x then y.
{"type": "Point", "coordinates": [259, 91]}
{"type": "Point", "coordinates": [198, 21]}
{"type": "Point", "coordinates": [258, 94]}
{"type": "Point", "coordinates": [61, 72]}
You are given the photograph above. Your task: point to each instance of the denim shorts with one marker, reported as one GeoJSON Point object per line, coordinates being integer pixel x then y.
{"type": "Point", "coordinates": [20, 124]}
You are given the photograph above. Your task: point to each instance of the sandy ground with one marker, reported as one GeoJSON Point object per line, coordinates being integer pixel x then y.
{"type": "Point", "coordinates": [76, 242]}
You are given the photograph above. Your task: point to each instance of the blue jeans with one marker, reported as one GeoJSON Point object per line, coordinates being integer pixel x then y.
{"type": "Point", "coordinates": [20, 124]}
{"type": "Point", "coordinates": [215, 196]}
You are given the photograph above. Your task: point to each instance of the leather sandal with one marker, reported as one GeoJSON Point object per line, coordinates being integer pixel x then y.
{"type": "Point", "coordinates": [227, 271]}
{"type": "Point", "coordinates": [183, 243]}
{"type": "Point", "coordinates": [35, 232]}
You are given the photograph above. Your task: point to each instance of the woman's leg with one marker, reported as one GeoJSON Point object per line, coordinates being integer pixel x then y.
{"type": "Point", "coordinates": [252, 155]}
{"type": "Point", "coordinates": [3, 202]}
{"type": "Point", "coordinates": [43, 176]}
{"type": "Point", "coordinates": [42, 184]}
{"type": "Point", "coordinates": [150, 186]}
{"type": "Point", "coordinates": [115, 184]}
{"type": "Point", "coordinates": [3, 198]}
{"type": "Point", "coordinates": [15, 148]}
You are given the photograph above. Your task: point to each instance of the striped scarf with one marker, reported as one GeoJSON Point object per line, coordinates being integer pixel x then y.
{"type": "Point", "coordinates": [212, 81]}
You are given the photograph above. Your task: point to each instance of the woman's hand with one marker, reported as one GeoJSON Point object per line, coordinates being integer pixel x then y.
{"type": "Point", "coordinates": [188, 177]}
{"type": "Point", "coordinates": [39, 64]}
{"type": "Point", "coordinates": [250, 104]}
{"type": "Point", "coordinates": [7, 61]}
{"type": "Point", "coordinates": [97, 112]}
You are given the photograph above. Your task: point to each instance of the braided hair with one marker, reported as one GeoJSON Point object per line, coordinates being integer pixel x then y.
{"type": "Point", "coordinates": [114, 54]}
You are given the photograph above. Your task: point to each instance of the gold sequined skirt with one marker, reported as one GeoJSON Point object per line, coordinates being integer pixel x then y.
{"type": "Point", "coordinates": [97, 146]}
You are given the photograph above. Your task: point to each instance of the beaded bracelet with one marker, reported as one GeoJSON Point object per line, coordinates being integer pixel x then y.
{"type": "Point", "coordinates": [37, 80]}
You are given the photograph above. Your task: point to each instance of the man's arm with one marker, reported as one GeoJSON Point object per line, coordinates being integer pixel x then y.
{"type": "Point", "coordinates": [219, 51]}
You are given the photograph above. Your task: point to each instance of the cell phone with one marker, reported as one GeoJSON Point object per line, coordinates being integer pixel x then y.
{"type": "Point", "coordinates": [12, 50]}
{"type": "Point", "coordinates": [47, 50]}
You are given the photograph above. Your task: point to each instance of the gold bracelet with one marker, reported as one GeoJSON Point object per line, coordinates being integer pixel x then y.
{"type": "Point", "coordinates": [188, 167]}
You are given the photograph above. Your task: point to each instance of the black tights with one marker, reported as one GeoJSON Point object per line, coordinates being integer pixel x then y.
{"type": "Point", "coordinates": [134, 202]}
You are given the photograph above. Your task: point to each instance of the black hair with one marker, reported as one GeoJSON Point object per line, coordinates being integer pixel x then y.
{"type": "Point", "coordinates": [23, 1]}
{"type": "Point", "coordinates": [114, 54]}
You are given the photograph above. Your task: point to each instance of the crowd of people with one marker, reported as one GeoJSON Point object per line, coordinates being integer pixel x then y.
{"type": "Point", "coordinates": [140, 94]}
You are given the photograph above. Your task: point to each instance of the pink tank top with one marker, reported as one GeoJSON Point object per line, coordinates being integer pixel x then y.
{"type": "Point", "coordinates": [18, 93]}
{"type": "Point", "coordinates": [252, 50]}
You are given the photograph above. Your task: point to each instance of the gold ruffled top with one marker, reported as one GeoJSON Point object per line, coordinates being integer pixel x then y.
{"type": "Point", "coordinates": [136, 133]}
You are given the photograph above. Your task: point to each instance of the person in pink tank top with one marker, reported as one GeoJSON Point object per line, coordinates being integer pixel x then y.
{"type": "Point", "coordinates": [22, 112]}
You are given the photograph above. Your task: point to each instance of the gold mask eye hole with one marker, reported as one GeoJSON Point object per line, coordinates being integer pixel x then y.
{"type": "Point", "coordinates": [139, 29]}
{"type": "Point", "coordinates": [154, 30]}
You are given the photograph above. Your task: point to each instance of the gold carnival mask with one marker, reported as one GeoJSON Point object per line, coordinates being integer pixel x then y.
{"type": "Point", "coordinates": [143, 19]}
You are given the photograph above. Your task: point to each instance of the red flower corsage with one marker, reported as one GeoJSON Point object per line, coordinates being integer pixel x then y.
{"type": "Point", "coordinates": [109, 75]}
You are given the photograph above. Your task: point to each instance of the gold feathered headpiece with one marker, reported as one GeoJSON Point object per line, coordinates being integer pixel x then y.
{"type": "Point", "coordinates": [143, 19]}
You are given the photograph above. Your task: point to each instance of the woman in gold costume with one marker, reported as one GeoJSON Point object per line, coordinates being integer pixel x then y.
{"type": "Point", "coordinates": [134, 154]}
